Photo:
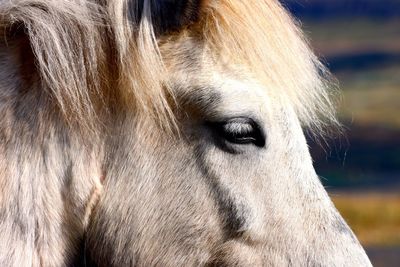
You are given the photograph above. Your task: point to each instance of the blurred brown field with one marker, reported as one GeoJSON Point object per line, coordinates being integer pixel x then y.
{"type": "Point", "coordinates": [356, 35]}
{"type": "Point", "coordinates": [372, 97]}
{"type": "Point", "coordinates": [374, 217]}
{"type": "Point", "coordinates": [359, 41]}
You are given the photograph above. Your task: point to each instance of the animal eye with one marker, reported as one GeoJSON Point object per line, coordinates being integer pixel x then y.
{"type": "Point", "coordinates": [240, 131]}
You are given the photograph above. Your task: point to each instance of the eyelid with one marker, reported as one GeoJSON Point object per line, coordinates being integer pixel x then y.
{"type": "Point", "coordinates": [238, 127]}
{"type": "Point", "coordinates": [240, 130]}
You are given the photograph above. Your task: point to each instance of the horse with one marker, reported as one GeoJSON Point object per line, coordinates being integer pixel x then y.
{"type": "Point", "coordinates": [163, 133]}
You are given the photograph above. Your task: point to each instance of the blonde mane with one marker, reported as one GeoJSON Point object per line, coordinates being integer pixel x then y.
{"type": "Point", "coordinates": [91, 54]}
{"type": "Point", "coordinates": [261, 35]}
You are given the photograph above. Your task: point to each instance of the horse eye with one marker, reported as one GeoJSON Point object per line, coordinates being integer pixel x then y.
{"type": "Point", "coordinates": [240, 131]}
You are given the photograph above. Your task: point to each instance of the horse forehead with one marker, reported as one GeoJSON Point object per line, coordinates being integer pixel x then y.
{"type": "Point", "coordinates": [225, 94]}
{"type": "Point", "coordinates": [243, 95]}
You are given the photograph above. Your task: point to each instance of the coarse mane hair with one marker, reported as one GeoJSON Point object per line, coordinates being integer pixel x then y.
{"type": "Point", "coordinates": [261, 35]}
{"type": "Point", "coordinates": [93, 53]}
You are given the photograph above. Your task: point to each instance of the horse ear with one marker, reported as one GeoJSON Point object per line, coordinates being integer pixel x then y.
{"type": "Point", "coordinates": [167, 15]}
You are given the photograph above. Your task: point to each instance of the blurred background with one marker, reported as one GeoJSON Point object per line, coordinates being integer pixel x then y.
{"type": "Point", "coordinates": [359, 40]}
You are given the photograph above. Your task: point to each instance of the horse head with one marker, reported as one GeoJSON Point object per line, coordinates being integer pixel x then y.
{"type": "Point", "coordinates": [163, 133]}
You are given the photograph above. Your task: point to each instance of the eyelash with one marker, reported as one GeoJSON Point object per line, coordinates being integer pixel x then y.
{"type": "Point", "coordinates": [239, 131]}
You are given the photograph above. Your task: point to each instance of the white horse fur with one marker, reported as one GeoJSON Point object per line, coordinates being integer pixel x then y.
{"type": "Point", "coordinates": [162, 133]}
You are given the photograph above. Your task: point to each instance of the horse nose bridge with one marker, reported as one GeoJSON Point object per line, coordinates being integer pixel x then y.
{"type": "Point", "coordinates": [333, 242]}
